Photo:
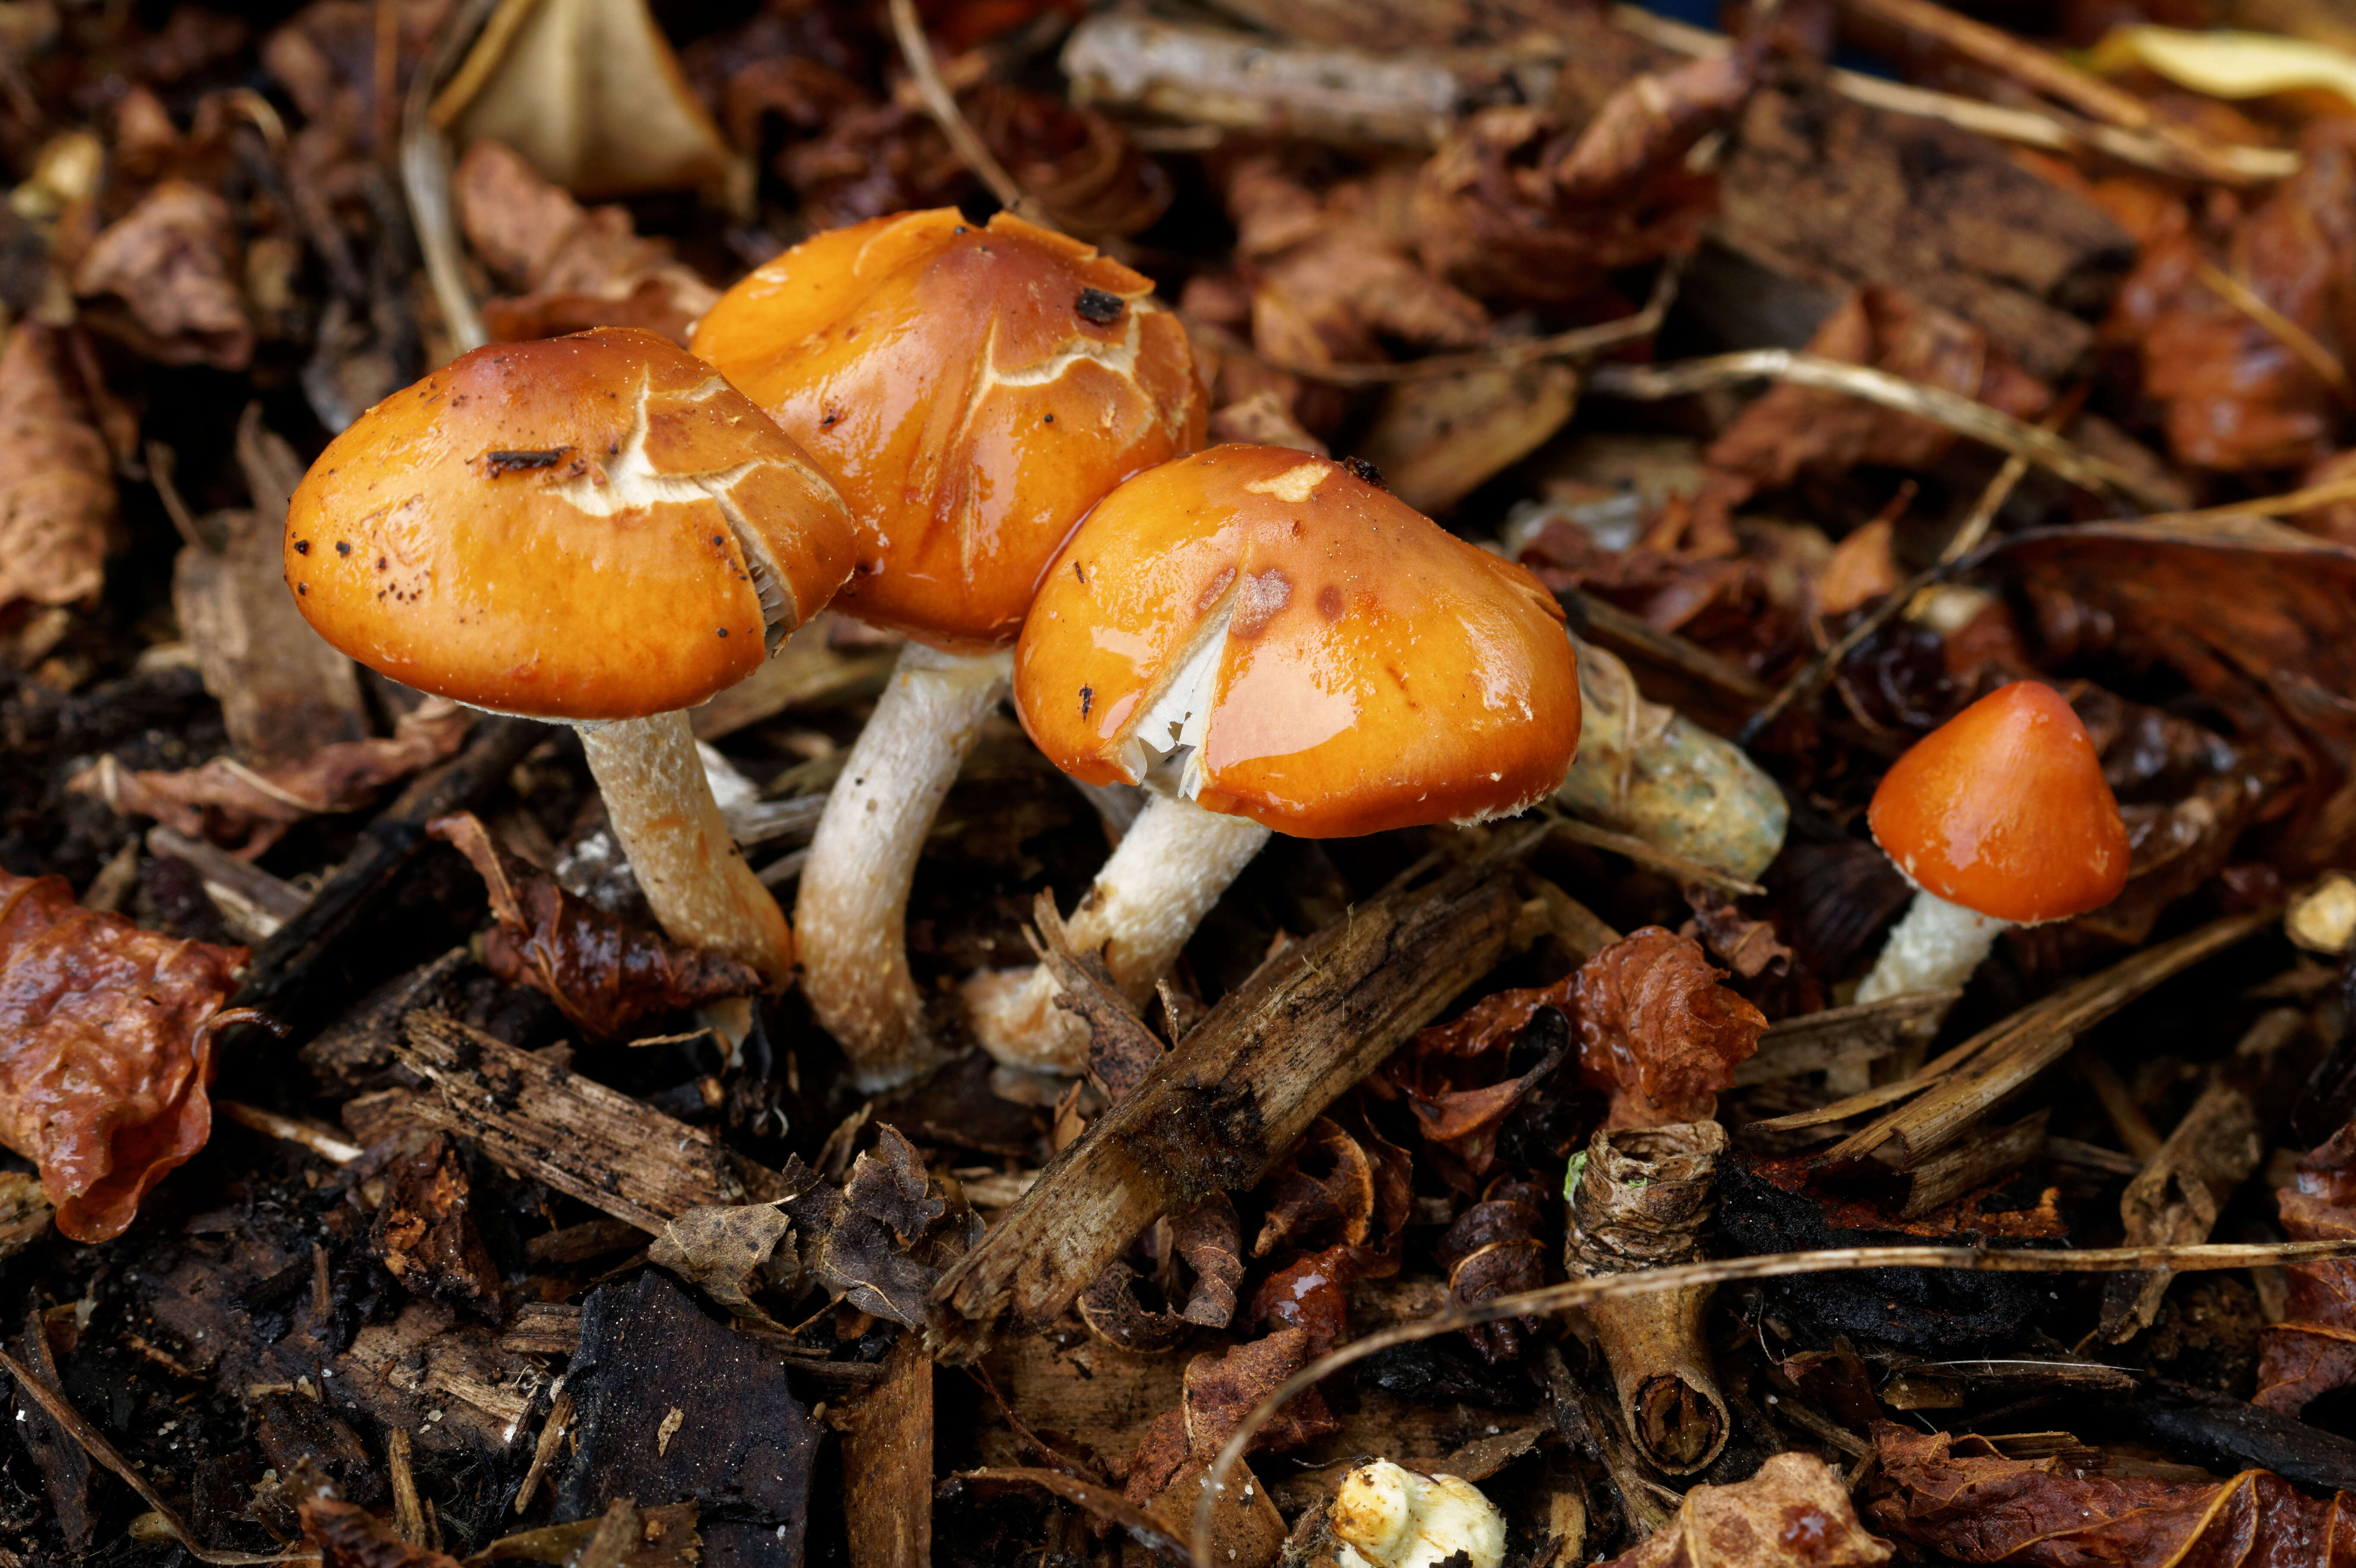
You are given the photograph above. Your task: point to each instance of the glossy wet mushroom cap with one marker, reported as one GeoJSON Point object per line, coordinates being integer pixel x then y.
{"type": "Point", "coordinates": [1356, 667]}
{"type": "Point", "coordinates": [971, 391]}
{"type": "Point", "coordinates": [2004, 810]}
{"type": "Point", "coordinates": [584, 528]}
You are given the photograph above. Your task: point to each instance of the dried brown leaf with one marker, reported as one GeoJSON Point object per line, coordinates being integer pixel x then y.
{"type": "Point", "coordinates": [1455, 1075]}
{"type": "Point", "coordinates": [1959, 1496]}
{"type": "Point", "coordinates": [860, 1242]}
{"type": "Point", "coordinates": [1646, 129]}
{"type": "Point", "coordinates": [2240, 390]}
{"type": "Point", "coordinates": [1497, 1247]}
{"type": "Point", "coordinates": [247, 810]}
{"type": "Point", "coordinates": [1219, 1391]}
{"type": "Point", "coordinates": [1794, 1510]}
{"type": "Point", "coordinates": [728, 1252]}
{"type": "Point", "coordinates": [172, 261]}
{"type": "Point", "coordinates": [423, 1232]}
{"type": "Point", "coordinates": [57, 483]}
{"type": "Point", "coordinates": [2312, 1352]}
{"type": "Point", "coordinates": [1658, 1032]}
{"type": "Point", "coordinates": [1792, 430]}
{"type": "Point", "coordinates": [105, 1049]}
{"type": "Point", "coordinates": [574, 267]}
{"type": "Point", "coordinates": [1209, 1238]}
{"type": "Point", "coordinates": [348, 1536]}
{"type": "Point", "coordinates": [601, 973]}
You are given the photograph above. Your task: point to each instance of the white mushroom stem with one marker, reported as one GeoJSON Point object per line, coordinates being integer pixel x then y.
{"type": "Point", "coordinates": [670, 828]}
{"type": "Point", "coordinates": [1170, 868]}
{"type": "Point", "coordinates": [852, 911]}
{"type": "Point", "coordinates": [1934, 948]}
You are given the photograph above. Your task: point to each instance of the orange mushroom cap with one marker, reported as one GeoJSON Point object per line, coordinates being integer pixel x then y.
{"type": "Point", "coordinates": [2004, 809]}
{"type": "Point", "coordinates": [584, 528]}
{"type": "Point", "coordinates": [1374, 670]}
{"type": "Point", "coordinates": [972, 391]}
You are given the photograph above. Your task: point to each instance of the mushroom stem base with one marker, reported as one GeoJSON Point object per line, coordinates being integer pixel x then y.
{"type": "Point", "coordinates": [1171, 867]}
{"type": "Point", "coordinates": [1934, 948]}
{"type": "Point", "coordinates": [668, 823]}
{"type": "Point", "coordinates": [852, 910]}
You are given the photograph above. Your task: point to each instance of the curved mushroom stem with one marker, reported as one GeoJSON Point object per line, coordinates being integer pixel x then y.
{"type": "Point", "coordinates": [852, 911]}
{"type": "Point", "coordinates": [1934, 948]}
{"type": "Point", "coordinates": [1170, 868]}
{"type": "Point", "coordinates": [668, 823]}
{"type": "Point", "coordinates": [1640, 1201]}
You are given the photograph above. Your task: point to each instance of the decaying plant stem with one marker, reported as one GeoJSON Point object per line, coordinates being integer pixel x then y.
{"type": "Point", "coordinates": [1228, 1102]}
{"type": "Point", "coordinates": [1640, 1201]}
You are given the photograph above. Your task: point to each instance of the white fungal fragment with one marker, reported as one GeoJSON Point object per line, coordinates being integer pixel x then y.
{"type": "Point", "coordinates": [1392, 1518]}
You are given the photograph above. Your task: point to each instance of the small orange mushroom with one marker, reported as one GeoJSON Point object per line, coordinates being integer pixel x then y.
{"type": "Point", "coordinates": [597, 530]}
{"type": "Point", "coordinates": [972, 390]}
{"type": "Point", "coordinates": [1272, 642]}
{"type": "Point", "coordinates": [2001, 816]}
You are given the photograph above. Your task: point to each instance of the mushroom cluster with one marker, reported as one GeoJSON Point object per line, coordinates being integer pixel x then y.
{"type": "Point", "coordinates": [972, 391]}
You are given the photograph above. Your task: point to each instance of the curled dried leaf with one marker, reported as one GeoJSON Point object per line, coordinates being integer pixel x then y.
{"type": "Point", "coordinates": [1960, 1496]}
{"type": "Point", "coordinates": [1658, 1032]}
{"type": "Point", "coordinates": [574, 267]}
{"type": "Point", "coordinates": [57, 485]}
{"type": "Point", "coordinates": [173, 262]}
{"type": "Point", "coordinates": [1219, 1393]}
{"type": "Point", "coordinates": [1497, 1247]}
{"type": "Point", "coordinates": [1460, 1076]}
{"type": "Point", "coordinates": [868, 1243]}
{"type": "Point", "coordinates": [2312, 1352]}
{"type": "Point", "coordinates": [602, 974]}
{"type": "Point", "coordinates": [1208, 1239]}
{"type": "Point", "coordinates": [729, 1251]}
{"type": "Point", "coordinates": [247, 810]}
{"type": "Point", "coordinates": [1795, 1510]}
{"type": "Point", "coordinates": [105, 1049]}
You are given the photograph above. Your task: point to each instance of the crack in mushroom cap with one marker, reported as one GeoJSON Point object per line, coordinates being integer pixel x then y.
{"type": "Point", "coordinates": [2004, 810]}
{"type": "Point", "coordinates": [587, 528]}
{"type": "Point", "coordinates": [1338, 662]}
{"type": "Point", "coordinates": [972, 390]}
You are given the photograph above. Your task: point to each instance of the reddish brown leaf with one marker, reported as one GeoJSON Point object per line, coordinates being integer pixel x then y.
{"type": "Point", "coordinates": [577, 267]}
{"type": "Point", "coordinates": [1454, 1076]}
{"type": "Point", "coordinates": [1074, 162]}
{"type": "Point", "coordinates": [1794, 1510]}
{"type": "Point", "coordinates": [1209, 1238]}
{"type": "Point", "coordinates": [105, 1049]}
{"type": "Point", "coordinates": [1220, 1391]}
{"type": "Point", "coordinates": [1646, 129]}
{"type": "Point", "coordinates": [57, 486]}
{"type": "Point", "coordinates": [2312, 1350]}
{"type": "Point", "coordinates": [248, 809]}
{"type": "Point", "coordinates": [348, 1536]}
{"type": "Point", "coordinates": [173, 262]}
{"type": "Point", "coordinates": [602, 974]}
{"type": "Point", "coordinates": [1793, 431]}
{"type": "Point", "coordinates": [1658, 1031]}
{"type": "Point", "coordinates": [1308, 1293]}
{"type": "Point", "coordinates": [2239, 392]}
{"type": "Point", "coordinates": [1959, 1496]}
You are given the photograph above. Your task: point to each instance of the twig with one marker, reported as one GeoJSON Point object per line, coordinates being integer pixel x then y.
{"type": "Point", "coordinates": [2290, 333]}
{"type": "Point", "coordinates": [1772, 1265]}
{"type": "Point", "coordinates": [2303, 500]}
{"type": "Point", "coordinates": [918, 51]}
{"type": "Point", "coordinates": [2010, 1053]}
{"type": "Point", "coordinates": [2048, 74]}
{"type": "Point", "coordinates": [1651, 383]}
{"type": "Point", "coordinates": [425, 178]}
{"type": "Point", "coordinates": [287, 1129]}
{"type": "Point", "coordinates": [2029, 127]}
{"type": "Point", "coordinates": [95, 1444]}
{"type": "Point", "coordinates": [1580, 342]}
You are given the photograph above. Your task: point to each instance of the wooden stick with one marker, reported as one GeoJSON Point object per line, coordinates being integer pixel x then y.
{"type": "Point", "coordinates": [887, 1464]}
{"type": "Point", "coordinates": [613, 1152]}
{"type": "Point", "coordinates": [1232, 1097]}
